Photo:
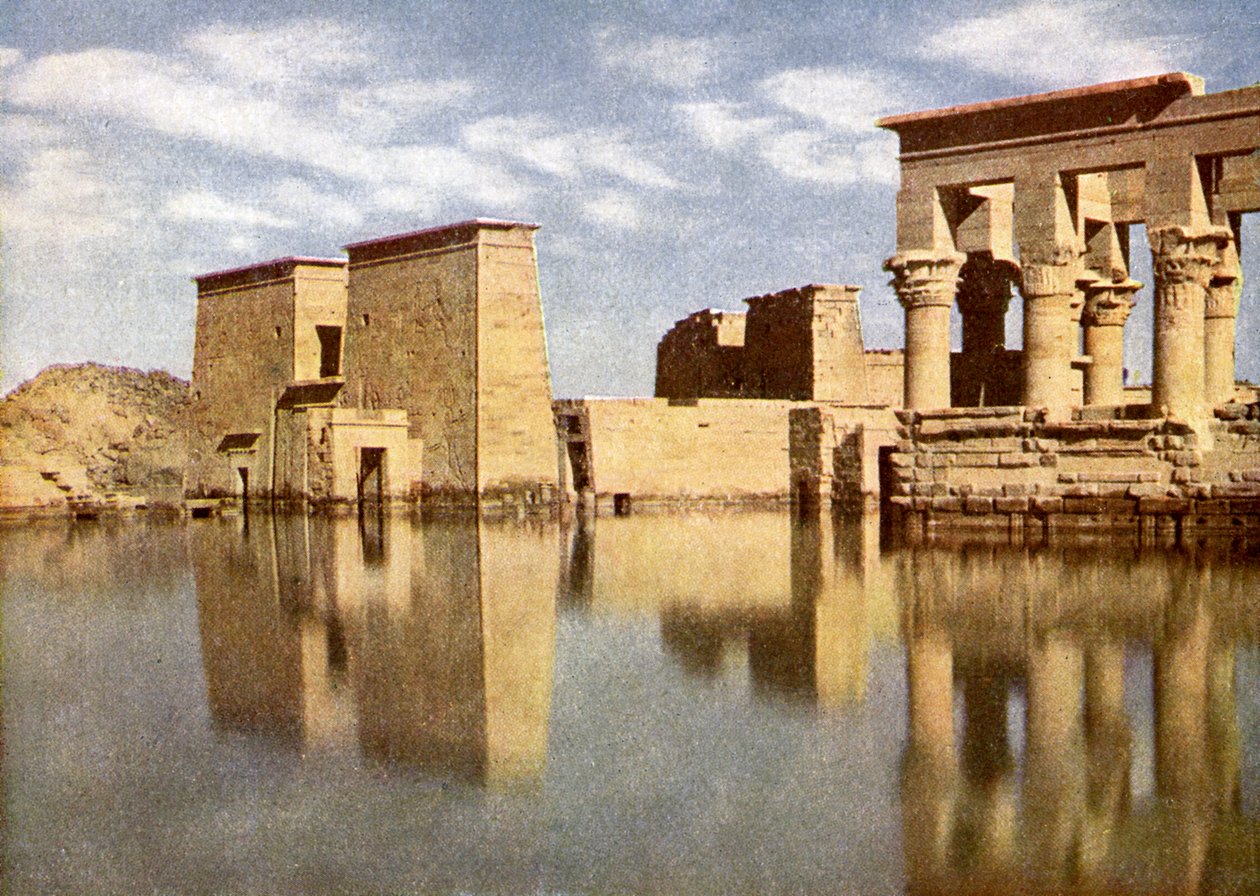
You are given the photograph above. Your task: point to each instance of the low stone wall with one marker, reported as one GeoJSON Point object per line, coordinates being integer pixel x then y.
{"type": "Point", "coordinates": [835, 454]}
{"type": "Point", "coordinates": [1011, 466]}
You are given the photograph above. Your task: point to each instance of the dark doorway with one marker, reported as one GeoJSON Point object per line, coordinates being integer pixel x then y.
{"type": "Point", "coordinates": [329, 351]}
{"type": "Point", "coordinates": [244, 474]}
{"type": "Point", "coordinates": [371, 475]}
{"type": "Point", "coordinates": [621, 504]}
{"type": "Point", "coordinates": [887, 481]}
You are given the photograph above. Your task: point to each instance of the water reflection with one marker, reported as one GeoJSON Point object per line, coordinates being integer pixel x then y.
{"type": "Point", "coordinates": [430, 646]}
{"type": "Point", "coordinates": [1059, 637]}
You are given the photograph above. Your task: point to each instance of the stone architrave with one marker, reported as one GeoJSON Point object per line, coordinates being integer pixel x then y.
{"type": "Point", "coordinates": [1219, 320]}
{"type": "Point", "coordinates": [1107, 308]}
{"type": "Point", "coordinates": [926, 282]}
{"type": "Point", "coordinates": [1048, 284]}
{"type": "Point", "coordinates": [1183, 260]}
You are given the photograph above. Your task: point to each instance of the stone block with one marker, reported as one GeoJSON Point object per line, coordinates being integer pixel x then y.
{"type": "Point", "coordinates": [1017, 489]}
{"type": "Point", "coordinates": [1231, 411]}
{"type": "Point", "coordinates": [1175, 443]}
{"type": "Point", "coordinates": [1081, 490]}
{"type": "Point", "coordinates": [1145, 490]}
{"type": "Point", "coordinates": [947, 504]}
{"type": "Point", "coordinates": [924, 459]}
{"type": "Point", "coordinates": [905, 417]}
{"type": "Point", "coordinates": [1163, 505]}
{"type": "Point", "coordinates": [976, 459]}
{"type": "Point", "coordinates": [1251, 475]}
{"type": "Point", "coordinates": [1049, 460]}
{"type": "Point", "coordinates": [901, 501]}
{"type": "Point", "coordinates": [1067, 477]}
{"type": "Point", "coordinates": [1184, 474]}
{"type": "Point", "coordinates": [922, 474]}
{"type": "Point", "coordinates": [901, 461]}
{"type": "Point", "coordinates": [1011, 505]}
{"type": "Point", "coordinates": [1185, 458]}
{"type": "Point", "coordinates": [1236, 489]}
{"type": "Point", "coordinates": [1110, 477]}
{"type": "Point", "coordinates": [976, 504]}
{"type": "Point", "coordinates": [1249, 506]}
{"type": "Point", "coordinates": [1047, 504]}
{"type": "Point", "coordinates": [1149, 477]}
{"type": "Point", "coordinates": [1085, 505]}
{"type": "Point", "coordinates": [1018, 460]}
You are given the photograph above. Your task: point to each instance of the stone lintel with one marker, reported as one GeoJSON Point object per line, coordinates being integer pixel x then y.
{"type": "Point", "coordinates": [262, 272]}
{"type": "Point", "coordinates": [441, 237]}
{"type": "Point", "coordinates": [1062, 111]}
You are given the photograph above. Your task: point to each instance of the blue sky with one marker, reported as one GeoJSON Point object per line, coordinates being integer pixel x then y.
{"type": "Point", "coordinates": [678, 156]}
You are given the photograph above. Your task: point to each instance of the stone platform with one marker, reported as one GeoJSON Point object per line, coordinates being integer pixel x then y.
{"type": "Point", "coordinates": [1102, 469]}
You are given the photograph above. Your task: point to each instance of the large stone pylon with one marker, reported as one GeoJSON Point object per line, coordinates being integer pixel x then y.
{"type": "Point", "coordinates": [1107, 309]}
{"type": "Point", "coordinates": [926, 282]}
{"type": "Point", "coordinates": [1219, 321]}
{"type": "Point", "coordinates": [1184, 260]}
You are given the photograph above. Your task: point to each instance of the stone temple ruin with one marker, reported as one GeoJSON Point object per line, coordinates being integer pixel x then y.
{"type": "Point", "coordinates": [416, 369]}
{"type": "Point", "coordinates": [1041, 192]}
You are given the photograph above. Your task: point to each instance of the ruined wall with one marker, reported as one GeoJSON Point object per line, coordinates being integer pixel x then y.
{"type": "Point", "coordinates": [1013, 466]}
{"type": "Point", "coordinates": [333, 441]}
{"type": "Point", "coordinates": [702, 356]}
{"type": "Point", "coordinates": [516, 444]}
{"type": "Point", "coordinates": [411, 343]}
{"type": "Point", "coordinates": [885, 376]}
{"type": "Point", "coordinates": [778, 347]}
{"type": "Point", "coordinates": [715, 449]}
{"type": "Point", "coordinates": [835, 454]}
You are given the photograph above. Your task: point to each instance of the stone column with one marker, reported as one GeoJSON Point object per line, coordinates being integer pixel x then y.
{"type": "Point", "coordinates": [984, 295]}
{"type": "Point", "coordinates": [1184, 260]}
{"type": "Point", "coordinates": [926, 282]}
{"type": "Point", "coordinates": [1107, 308]}
{"type": "Point", "coordinates": [1049, 290]}
{"type": "Point", "coordinates": [1220, 316]}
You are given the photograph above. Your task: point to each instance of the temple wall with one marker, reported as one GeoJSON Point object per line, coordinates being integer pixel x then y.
{"type": "Point", "coordinates": [702, 356]}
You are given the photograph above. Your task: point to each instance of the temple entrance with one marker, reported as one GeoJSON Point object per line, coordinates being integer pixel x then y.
{"type": "Point", "coordinates": [243, 472]}
{"type": "Point", "coordinates": [371, 479]}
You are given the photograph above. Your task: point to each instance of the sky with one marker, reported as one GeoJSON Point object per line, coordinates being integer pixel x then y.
{"type": "Point", "coordinates": [677, 155]}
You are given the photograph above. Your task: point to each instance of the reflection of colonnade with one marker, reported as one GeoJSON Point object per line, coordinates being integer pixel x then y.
{"type": "Point", "coordinates": [429, 646]}
{"type": "Point", "coordinates": [980, 815]}
{"type": "Point", "coordinates": [800, 618]}
{"type": "Point", "coordinates": [1039, 192]}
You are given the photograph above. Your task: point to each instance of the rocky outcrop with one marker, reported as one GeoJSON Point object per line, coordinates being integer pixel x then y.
{"type": "Point", "coordinates": [125, 428]}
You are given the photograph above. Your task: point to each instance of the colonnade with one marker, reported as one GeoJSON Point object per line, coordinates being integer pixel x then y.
{"type": "Point", "coordinates": [1196, 293]}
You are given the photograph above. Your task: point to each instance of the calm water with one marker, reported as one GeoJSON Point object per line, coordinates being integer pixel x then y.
{"type": "Point", "coordinates": [735, 703]}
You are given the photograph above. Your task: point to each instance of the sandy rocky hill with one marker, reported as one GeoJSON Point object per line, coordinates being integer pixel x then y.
{"type": "Point", "coordinates": [92, 430]}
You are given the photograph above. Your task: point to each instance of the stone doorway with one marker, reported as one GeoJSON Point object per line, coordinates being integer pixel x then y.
{"type": "Point", "coordinates": [371, 475]}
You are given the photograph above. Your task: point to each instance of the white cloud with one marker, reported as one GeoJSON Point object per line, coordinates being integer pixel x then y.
{"type": "Point", "coordinates": [205, 207]}
{"type": "Point", "coordinates": [172, 97]}
{"type": "Point", "coordinates": [289, 52]}
{"type": "Point", "coordinates": [303, 202]}
{"type": "Point", "coordinates": [678, 62]}
{"type": "Point", "coordinates": [541, 145]}
{"type": "Point", "coordinates": [384, 107]}
{"type": "Point", "coordinates": [9, 57]}
{"type": "Point", "coordinates": [60, 199]}
{"type": "Point", "coordinates": [1052, 44]}
{"type": "Point", "coordinates": [723, 125]}
{"type": "Point", "coordinates": [838, 156]}
{"type": "Point", "coordinates": [614, 208]}
{"type": "Point", "coordinates": [841, 99]}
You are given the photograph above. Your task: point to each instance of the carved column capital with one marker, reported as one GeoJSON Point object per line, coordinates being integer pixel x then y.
{"type": "Point", "coordinates": [1108, 304]}
{"type": "Point", "coordinates": [925, 278]}
{"type": "Point", "coordinates": [984, 285]}
{"type": "Point", "coordinates": [1184, 255]}
{"type": "Point", "coordinates": [1050, 270]}
{"type": "Point", "coordinates": [1225, 286]}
